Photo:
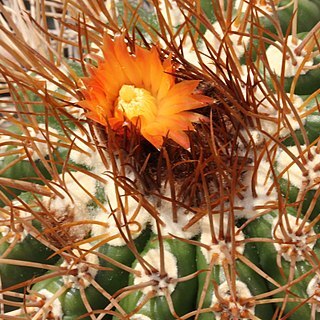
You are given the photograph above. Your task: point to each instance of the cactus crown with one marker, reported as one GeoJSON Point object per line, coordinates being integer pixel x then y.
{"type": "Point", "coordinates": [159, 160]}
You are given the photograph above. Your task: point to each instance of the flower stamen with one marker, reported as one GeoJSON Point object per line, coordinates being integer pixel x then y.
{"type": "Point", "coordinates": [135, 102]}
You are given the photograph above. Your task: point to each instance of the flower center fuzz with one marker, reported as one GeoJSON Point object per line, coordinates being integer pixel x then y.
{"type": "Point", "coordinates": [136, 102]}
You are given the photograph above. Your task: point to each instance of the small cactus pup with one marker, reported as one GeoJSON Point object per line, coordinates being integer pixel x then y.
{"type": "Point", "coordinates": [160, 160]}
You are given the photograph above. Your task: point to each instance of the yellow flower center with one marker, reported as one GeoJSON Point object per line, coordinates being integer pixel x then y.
{"type": "Point", "coordinates": [136, 102]}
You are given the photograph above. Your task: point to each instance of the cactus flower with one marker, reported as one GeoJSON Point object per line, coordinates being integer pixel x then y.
{"type": "Point", "coordinates": [141, 90]}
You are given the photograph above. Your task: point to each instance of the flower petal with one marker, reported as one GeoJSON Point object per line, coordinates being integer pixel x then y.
{"type": "Point", "coordinates": [150, 99]}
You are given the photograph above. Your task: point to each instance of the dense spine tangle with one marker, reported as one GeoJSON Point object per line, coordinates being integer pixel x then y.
{"type": "Point", "coordinates": [159, 160]}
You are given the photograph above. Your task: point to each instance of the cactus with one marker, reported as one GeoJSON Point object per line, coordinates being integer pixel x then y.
{"type": "Point", "coordinates": [160, 160]}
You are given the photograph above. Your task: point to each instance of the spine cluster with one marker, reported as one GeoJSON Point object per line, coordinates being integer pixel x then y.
{"type": "Point", "coordinates": [167, 167]}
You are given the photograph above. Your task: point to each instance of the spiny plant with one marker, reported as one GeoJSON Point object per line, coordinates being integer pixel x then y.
{"type": "Point", "coordinates": [159, 160]}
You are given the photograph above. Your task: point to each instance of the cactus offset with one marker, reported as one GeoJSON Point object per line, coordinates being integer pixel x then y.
{"type": "Point", "coordinates": [160, 160]}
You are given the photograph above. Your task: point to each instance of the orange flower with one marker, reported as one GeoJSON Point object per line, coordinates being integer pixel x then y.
{"type": "Point", "coordinates": [141, 90]}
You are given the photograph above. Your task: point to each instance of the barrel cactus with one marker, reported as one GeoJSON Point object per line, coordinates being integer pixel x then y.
{"type": "Point", "coordinates": [160, 160]}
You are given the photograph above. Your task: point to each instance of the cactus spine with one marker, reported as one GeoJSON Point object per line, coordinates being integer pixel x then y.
{"type": "Point", "coordinates": [160, 160]}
